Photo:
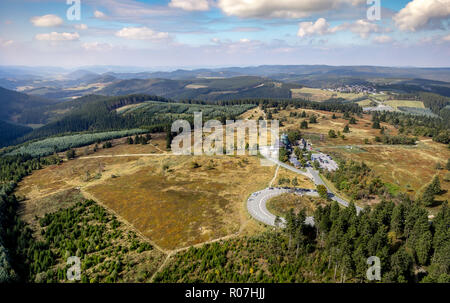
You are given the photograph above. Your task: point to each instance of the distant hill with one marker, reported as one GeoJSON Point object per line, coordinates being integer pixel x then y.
{"type": "Point", "coordinates": [219, 83]}
{"type": "Point", "coordinates": [12, 104]}
{"type": "Point", "coordinates": [211, 89]}
{"type": "Point", "coordinates": [296, 73]}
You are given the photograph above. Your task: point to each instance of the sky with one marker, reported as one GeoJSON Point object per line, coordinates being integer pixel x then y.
{"type": "Point", "coordinates": [216, 33]}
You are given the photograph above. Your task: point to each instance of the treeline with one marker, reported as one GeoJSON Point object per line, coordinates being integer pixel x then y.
{"type": "Point", "coordinates": [332, 106]}
{"type": "Point", "coordinates": [7, 273]}
{"type": "Point", "coordinates": [14, 168]}
{"type": "Point", "coordinates": [432, 101]}
{"type": "Point", "coordinates": [396, 140]}
{"type": "Point", "coordinates": [13, 234]}
{"type": "Point", "coordinates": [415, 125]}
{"type": "Point", "coordinates": [52, 145]}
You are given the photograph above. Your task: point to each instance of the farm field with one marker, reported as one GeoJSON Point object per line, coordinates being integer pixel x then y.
{"type": "Point", "coordinates": [164, 197]}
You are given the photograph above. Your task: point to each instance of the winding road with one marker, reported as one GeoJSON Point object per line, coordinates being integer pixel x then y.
{"type": "Point", "coordinates": [256, 203]}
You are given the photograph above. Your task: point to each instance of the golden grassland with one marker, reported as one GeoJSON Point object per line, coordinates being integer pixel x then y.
{"type": "Point", "coordinates": [303, 182]}
{"type": "Point", "coordinates": [282, 204]}
{"type": "Point", "coordinates": [165, 197]}
{"type": "Point", "coordinates": [317, 94]}
{"type": "Point", "coordinates": [408, 168]}
{"type": "Point", "coordinates": [182, 205]}
{"type": "Point", "coordinates": [155, 146]}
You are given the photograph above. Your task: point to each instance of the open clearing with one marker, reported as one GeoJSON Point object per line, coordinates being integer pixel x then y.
{"type": "Point", "coordinates": [404, 103]}
{"type": "Point", "coordinates": [167, 198]}
{"type": "Point", "coordinates": [409, 169]}
{"type": "Point", "coordinates": [317, 94]}
{"type": "Point", "coordinates": [303, 182]}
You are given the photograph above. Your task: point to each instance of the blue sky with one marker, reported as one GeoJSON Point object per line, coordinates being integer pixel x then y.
{"type": "Point", "coordinates": [206, 33]}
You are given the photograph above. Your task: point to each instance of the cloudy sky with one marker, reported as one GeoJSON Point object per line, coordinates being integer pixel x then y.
{"type": "Point", "coordinates": [207, 33]}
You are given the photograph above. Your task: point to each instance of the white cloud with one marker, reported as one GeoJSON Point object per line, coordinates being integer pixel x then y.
{"type": "Point", "coordinates": [141, 33]}
{"type": "Point", "coordinates": [281, 8]}
{"type": "Point", "coordinates": [81, 26]}
{"type": "Point", "coordinates": [363, 28]}
{"type": "Point", "coordinates": [382, 39]}
{"type": "Point", "coordinates": [46, 21]}
{"type": "Point", "coordinates": [54, 36]}
{"type": "Point", "coordinates": [417, 14]}
{"type": "Point", "coordinates": [446, 38]}
{"type": "Point", "coordinates": [99, 14]}
{"type": "Point", "coordinates": [244, 40]}
{"type": "Point", "coordinates": [96, 46]}
{"type": "Point", "coordinates": [5, 43]}
{"type": "Point", "coordinates": [320, 27]}
{"type": "Point", "coordinates": [190, 5]}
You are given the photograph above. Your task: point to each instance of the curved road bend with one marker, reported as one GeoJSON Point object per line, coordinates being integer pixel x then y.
{"type": "Point", "coordinates": [256, 203]}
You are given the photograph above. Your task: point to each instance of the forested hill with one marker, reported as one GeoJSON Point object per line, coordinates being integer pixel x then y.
{"type": "Point", "coordinates": [10, 132]}
{"type": "Point", "coordinates": [90, 113]}
{"type": "Point", "coordinates": [98, 113]}
{"type": "Point", "coordinates": [203, 89]}
{"type": "Point", "coordinates": [14, 103]}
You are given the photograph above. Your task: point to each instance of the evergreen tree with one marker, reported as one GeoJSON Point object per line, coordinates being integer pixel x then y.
{"type": "Point", "coordinates": [332, 134]}
{"type": "Point", "coordinates": [70, 154]}
{"type": "Point", "coordinates": [436, 185]}
{"type": "Point", "coordinates": [313, 119]}
{"type": "Point", "coordinates": [322, 190]}
{"type": "Point", "coordinates": [376, 124]}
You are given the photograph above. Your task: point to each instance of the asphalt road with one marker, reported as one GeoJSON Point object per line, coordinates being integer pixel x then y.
{"type": "Point", "coordinates": [256, 203]}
